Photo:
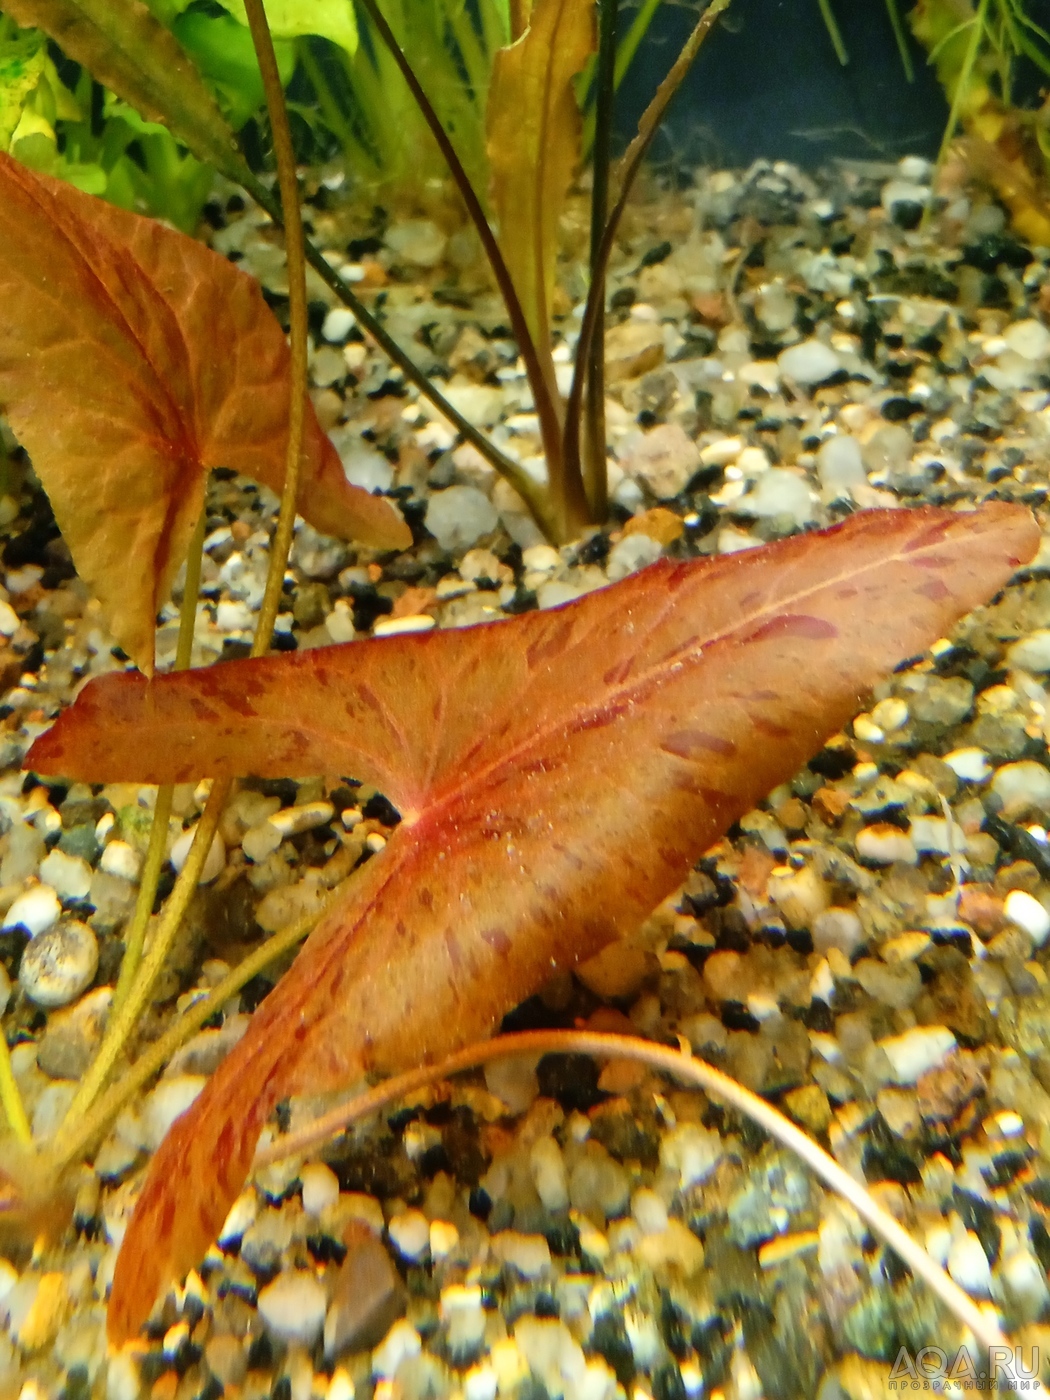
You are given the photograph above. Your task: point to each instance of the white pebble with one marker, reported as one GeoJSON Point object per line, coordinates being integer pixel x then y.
{"type": "Point", "coordinates": [261, 840]}
{"type": "Point", "coordinates": [401, 1342]}
{"type": "Point", "coordinates": [692, 1152]}
{"type": "Point", "coordinates": [234, 616]}
{"type": "Point", "coordinates": [59, 964]}
{"type": "Point", "coordinates": [121, 859]}
{"type": "Point", "coordinates": [480, 1383]}
{"type": "Point", "coordinates": [630, 554]}
{"type": "Point", "coordinates": [809, 362]}
{"type": "Point", "coordinates": [214, 862]}
{"type": "Point", "coordinates": [837, 928]}
{"type": "Point", "coordinates": [8, 620]}
{"type": "Point", "coordinates": [292, 821]}
{"type": "Point", "coordinates": [920, 1049]}
{"type": "Point", "coordinates": [721, 453]}
{"type": "Point", "coordinates": [930, 834]}
{"type": "Point", "coordinates": [1024, 782]}
{"type": "Point", "coordinates": [780, 492]}
{"type": "Point", "coordinates": [397, 626]}
{"type": "Point", "coordinates": [968, 1264]}
{"type": "Point", "coordinates": [649, 1211]}
{"type": "Point", "coordinates": [884, 844]}
{"type": "Point", "coordinates": [68, 876]}
{"type": "Point", "coordinates": [529, 1254]}
{"type": "Point", "coordinates": [839, 463]}
{"type": "Point", "coordinates": [123, 1378]}
{"type": "Point", "coordinates": [36, 910]}
{"type": "Point", "coordinates": [1029, 338]}
{"type": "Point", "coordinates": [903, 192]}
{"type": "Point", "coordinates": [969, 764]}
{"type": "Point", "coordinates": [338, 324]}
{"type": "Point", "coordinates": [320, 1187]}
{"type": "Point", "coordinates": [443, 1238]}
{"type": "Point", "coordinates": [1026, 912]}
{"type": "Point", "coordinates": [458, 517]}
{"type": "Point", "coordinates": [293, 1307]}
{"type": "Point", "coordinates": [417, 241]}
{"type": "Point", "coordinates": [410, 1233]}
{"type": "Point", "coordinates": [166, 1102]}
{"type": "Point", "coordinates": [366, 468]}
{"type": "Point", "coordinates": [548, 1173]}
{"type": "Point", "coordinates": [242, 1214]}
{"type": "Point", "coordinates": [1031, 653]}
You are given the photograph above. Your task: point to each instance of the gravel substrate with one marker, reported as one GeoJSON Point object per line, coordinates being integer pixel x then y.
{"type": "Point", "coordinates": [869, 949]}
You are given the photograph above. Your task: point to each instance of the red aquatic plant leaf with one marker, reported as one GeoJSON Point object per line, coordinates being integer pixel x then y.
{"type": "Point", "coordinates": [557, 774]}
{"type": "Point", "coordinates": [132, 360]}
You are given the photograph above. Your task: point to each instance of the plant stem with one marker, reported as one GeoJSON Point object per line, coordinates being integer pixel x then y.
{"type": "Point", "coordinates": [547, 409]}
{"type": "Point", "coordinates": [680, 1065]}
{"type": "Point", "coordinates": [963, 81]}
{"type": "Point", "coordinates": [330, 109]}
{"type": "Point", "coordinates": [79, 1137]}
{"type": "Point", "coordinates": [834, 33]}
{"type": "Point", "coordinates": [11, 1099]}
{"type": "Point", "coordinates": [595, 475]}
{"type": "Point", "coordinates": [135, 937]}
{"type": "Point", "coordinates": [628, 171]}
{"type": "Point", "coordinates": [529, 490]}
{"type": "Point", "coordinates": [121, 1025]}
{"type": "Point", "coordinates": [899, 35]}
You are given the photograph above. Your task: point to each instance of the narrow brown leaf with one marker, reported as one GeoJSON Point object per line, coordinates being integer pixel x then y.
{"type": "Point", "coordinates": [132, 360]}
{"type": "Point", "coordinates": [557, 774]}
{"type": "Point", "coordinates": [534, 128]}
{"type": "Point", "coordinates": [121, 44]}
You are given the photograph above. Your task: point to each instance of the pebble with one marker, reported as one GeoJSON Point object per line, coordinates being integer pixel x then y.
{"type": "Point", "coordinates": [398, 626]}
{"type": "Point", "coordinates": [920, 1049]}
{"type": "Point", "coordinates": [970, 764]}
{"type": "Point", "coordinates": [367, 469]}
{"type": "Point", "coordinates": [367, 1297]}
{"type": "Point", "coordinates": [780, 493]}
{"type": "Point", "coordinates": [293, 1307]}
{"type": "Point", "coordinates": [663, 458]}
{"type": "Point", "coordinates": [837, 928]}
{"type": "Point", "coordinates": [893, 984]}
{"type": "Point", "coordinates": [690, 1152]}
{"type": "Point", "coordinates": [59, 964]}
{"type": "Point", "coordinates": [630, 554]}
{"type": "Point", "coordinates": [840, 465]}
{"type": "Point", "coordinates": [261, 840]}
{"type": "Point", "coordinates": [529, 1254]}
{"type": "Point", "coordinates": [73, 1035]}
{"type": "Point", "coordinates": [1028, 913]}
{"type": "Point", "coordinates": [649, 1211]}
{"type": "Point", "coordinates": [885, 844]}
{"type": "Point", "coordinates": [410, 1233]}
{"type": "Point", "coordinates": [459, 516]}
{"type": "Point", "coordinates": [320, 1187]}
{"type": "Point", "coordinates": [1029, 338]}
{"type": "Point", "coordinates": [418, 242]}
{"type": "Point", "coordinates": [1031, 653]}
{"type": "Point", "coordinates": [69, 876]}
{"type": "Point", "coordinates": [292, 821]}
{"type": "Point", "coordinates": [968, 1264]}
{"type": "Point", "coordinates": [165, 1102]}
{"type": "Point", "coordinates": [241, 1215]}
{"type": "Point", "coordinates": [1024, 783]}
{"type": "Point", "coordinates": [338, 324]}
{"type": "Point", "coordinates": [399, 1344]}
{"type": "Point", "coordinates": [215, 861]}
{"type": "Point", "coordinates": [809, 362]}
{"type": "Point", "coordinates": [548, 1173]}
{"type": "Point", "coordinates": [514, 1081]}
{"type": "Point", "coordinates": [36, 911]}
{"type": "Point", "coordinates": [121, 860]}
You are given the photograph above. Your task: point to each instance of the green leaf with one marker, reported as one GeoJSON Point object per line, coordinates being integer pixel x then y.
{"type": "Point", "coordinates": [127, 49]}
{"type": "Point", "coordinates": [288, 19]}
{"type": "Point", "coordinates": [224, 53]}
{"type": "Point", "coordinates": [22, 59]}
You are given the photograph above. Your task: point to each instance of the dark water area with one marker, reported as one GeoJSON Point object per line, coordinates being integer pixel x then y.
{"type": "Point", "coordinates": [768, 83]}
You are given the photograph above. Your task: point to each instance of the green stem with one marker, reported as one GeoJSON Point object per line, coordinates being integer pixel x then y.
{"type": "Point", "coordinates": [547, 409]}
{"type": "Point", "coordinates": [11, 1099]}
{"type": "Point", "coordinates": [834, 33]}
{"type": "Point", "coordinates": [77, 1138]}
{"type": "Point", "coordinates": [963, 81]}
{"type": "Point", "coordinates": [625, 52]}
{"type": "Point", "coordinates": [158, 837]}
{"type": "Point", "coordinates": [894, 13]}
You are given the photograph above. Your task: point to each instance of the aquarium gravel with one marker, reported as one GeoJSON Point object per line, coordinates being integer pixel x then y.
{"type": "Point", "coordinates": [868, 949]}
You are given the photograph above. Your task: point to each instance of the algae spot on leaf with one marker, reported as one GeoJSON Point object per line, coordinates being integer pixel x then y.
{"type": "Point", "coordinates": [606, 818]}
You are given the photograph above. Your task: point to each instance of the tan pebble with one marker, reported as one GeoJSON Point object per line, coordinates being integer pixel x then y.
{"type": "Point", "coordinates": [906, 947]}
{"type": "Point", "coordinates": [659, 524]}
{"type": "Point", "coordinates": [618, 971]}
{"type": "Point", "coordinates": [901, 1112]}
{"type": "Point", "coordinates": [800, 895]}
{"type": "Point", "coordinates": [809, 1106]}
{"type": "Point", "coordinates": [786, 1247]}
{"type": "Point", "coordinates": [46, 1313]}
{"type": "Point", "coordinates": [621, 1076]}
{"type": "Point", "coordinates": [676, 1246]}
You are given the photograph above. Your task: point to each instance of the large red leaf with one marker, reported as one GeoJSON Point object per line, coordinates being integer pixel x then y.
{"type": "Point", "coordinates": [132, 360]}
{"type": "Point", "coordinates": [558, 774]}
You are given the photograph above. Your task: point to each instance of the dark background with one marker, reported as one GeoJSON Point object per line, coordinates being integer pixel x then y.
{"type": "Point", "coordinates": [767, 83]}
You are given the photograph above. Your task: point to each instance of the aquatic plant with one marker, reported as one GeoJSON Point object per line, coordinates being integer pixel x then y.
{"type": "Point", "coordinates": [555, 774]}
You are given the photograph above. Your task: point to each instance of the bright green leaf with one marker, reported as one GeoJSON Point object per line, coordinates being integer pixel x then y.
{"type": "Point", "coordinates": [22, 60]}
{"type": "Point", "coordinates": [224, 53]}
{"type": "Point", "coordinates": [288, 19]}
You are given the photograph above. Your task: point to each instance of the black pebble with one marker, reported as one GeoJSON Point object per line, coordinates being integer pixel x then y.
{"type": "Point", "coordinates": [571, 1079]}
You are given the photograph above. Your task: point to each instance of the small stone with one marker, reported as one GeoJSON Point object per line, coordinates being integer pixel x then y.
{"type": "Point", "coordinates": [113, 898]}
{"type": "Point", "coordinates": [1029, 338]}
{"type": "Point", "coordinates": [265, 1241]}
{"type": "Point", "coordinates": [241, 1215]}
{"type": "Point", "coordinates": [123, 1378]}
{"type": "Point", "coordinates": [837, 928]}
{"type": "Point", "coordinates": [69, 876]}
{"type": "Point", "coordinates": [906, 947]}
{"type": "Point", "coordinates": [1028, 913]}
{"type": "Point", "coordinates": [529, 1254]}
{"type": "Point", "coordinates": [226, 1359]}
{"type": "Point", "coordinates": [840, 465]}
{"type": "Point", "coordinates": [293, 1307]}
{"type": "Point", "coordinates": [320, 1187]}
{"type": "Point", "coordinates": [598, 1184]}
{"type": "Point", "coordinates": [59, 964]}
{"type": "Point", "coordinates": [649, 1211]}
{"type": "Point", "coordinates": [801, 895]}
{"type": "Point", "coordinates": [514, 1081]}
{"type": "Point", "coordinates": [663, 458]}
{"type": "Point", "coordinates": [930, 835]}
{"type": "Point", "coordinates": [660, 524]}
{"type": "Point", "coordinates": [338, 324]}
{"type": "Point", "coordinates": [368, 469]}
{"type": "Point", "coordinates": [418, 242]}
{"type": "Point", "coordinates": [410, 1233]}
{"type": "Point", "coordinates": [215, 860]}
{"type": "Point", "coordinates": [968, 1264]}
{"type": "Point", "coordinates": [399, 1344]}
{"type": "Point", "coordinates": [809, 362]}
{"type": "Point", "coordinates": [692, 1152]}
{"type": "Point", "coordinates": [72, 1036]}
{"type": "Point", "coordinates": [893, 984]}
{"type": "Point", "coordinates": [166, 1102]}
{"type": "Point", "coordinates": [631, 553]}
{"type": "Point", "coordinates": [1031, 653]}
{"type": "Point", "coordinates": [548, 1173]}
{"type": "Point", "coordinates": [883, 844]}
{"type": "Point", "coordinates": [1023, 784]}
{"type": "Point", "coordinates": [780, 493]}
{"type": "Point", "coordinates": [631, 349]}
{"type": "Point", "coordinates": [368, 1296]}
{"type": "Point", "coordinates": [36, 910]}
{"type": "Point", "coordinates": [970, 764]}
{"type": "Point", "coordinates": [292, 821]}
{"type": "Point", "coordinates": [23, 850]}
{"type": "Point", "coordinates": [920, 1049]}
{"type": "Point", "coordinates": [121, 860]}
{"type": "Point", "coordinates": [261, 840]}
{"type": "Point", "coordinates": [397, 626]}
{"type": "Point", "coordinates": [459, 516]}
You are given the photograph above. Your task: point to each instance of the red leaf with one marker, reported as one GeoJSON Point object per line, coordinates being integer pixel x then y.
{"type": "Point", "coordinates": [558, 774]}
{"type": "Point", "coordinates": [132, 360]}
